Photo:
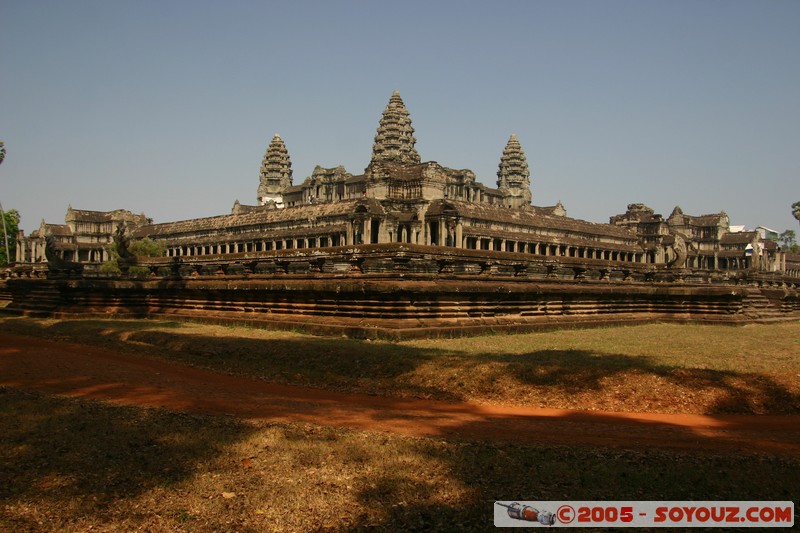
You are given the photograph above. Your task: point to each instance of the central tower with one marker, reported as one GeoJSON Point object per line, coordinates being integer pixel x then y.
{"type": "Point", "coordinates": [394, 142]}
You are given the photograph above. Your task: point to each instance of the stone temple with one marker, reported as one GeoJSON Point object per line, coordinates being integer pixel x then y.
{"type": "Point", "coordinates": [398, 198]}
{"type": "Point", "coordinates": [420, 222]}
{"type": "Point", "coordinates": [401, 199]}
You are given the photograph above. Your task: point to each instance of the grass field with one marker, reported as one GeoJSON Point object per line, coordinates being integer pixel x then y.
{"type": "Point", "coordinates": [650, 368]}
{"type": "Point", "coordinates": [76, 465]}
{"type": "Point", "coordinates": [79, 465]}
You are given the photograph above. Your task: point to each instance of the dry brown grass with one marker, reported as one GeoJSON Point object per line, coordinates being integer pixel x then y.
{"type": "Point", "coordinates": [79, 465]}
{"type": "Point", "coordinates": [649, 368]}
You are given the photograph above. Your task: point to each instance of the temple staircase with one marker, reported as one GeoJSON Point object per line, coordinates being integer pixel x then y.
{"type": "Point", "coordinates": [756, 306]}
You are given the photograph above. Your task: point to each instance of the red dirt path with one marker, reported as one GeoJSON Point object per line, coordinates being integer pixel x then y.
{"type": "Point", "coordinates": [89, 372]}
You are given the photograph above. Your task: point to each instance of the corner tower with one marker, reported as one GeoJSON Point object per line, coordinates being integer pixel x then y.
{"type": "Point", "coordinates": [276, 173]}
{"type": "Point", "coordinates": [394, 142]}
{"type": "Point", "coordinates": [513, 176]}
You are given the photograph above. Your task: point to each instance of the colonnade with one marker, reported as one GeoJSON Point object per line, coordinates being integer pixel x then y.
{"type": "Point", "coordinates": [33, 251]}
{"type": "Point", "coordinates": [260, 245]}
{"type": "Point", "coordinates": [552, 250]}
{"type": "Point", "coordinates": [438, 232]}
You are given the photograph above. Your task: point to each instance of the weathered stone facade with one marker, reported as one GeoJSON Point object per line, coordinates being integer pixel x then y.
{"type": "Point", "coordinates": [399, 198]}
{"type": "Point", "coordinates": [407, 248]}
{"type": "Point", "coordinates": [83, 238]}
{"type": "Point", "coordinates": [403, 290]}
{"type": "Point", "coordinates": [703, 242]}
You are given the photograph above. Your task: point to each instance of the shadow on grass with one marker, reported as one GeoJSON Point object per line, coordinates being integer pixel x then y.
{"type": "Point", "coordinates": [386, 368]}
{"type": "Point", "coordinates": [324, 362]}
{"type": "Point", "coordinates": [130, 451]}
{"type": "Point", "coordinates": [576, 371]}
{"type": "Point", "coordinates": [536, 473]}
{"type": "Point", "coordinates": [72, 460]}
{"type": "Point", "coordinates": [82, 457]}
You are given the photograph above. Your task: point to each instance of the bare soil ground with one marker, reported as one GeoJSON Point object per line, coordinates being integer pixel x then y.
{"type": "Point", "coordinates": [122, 378]}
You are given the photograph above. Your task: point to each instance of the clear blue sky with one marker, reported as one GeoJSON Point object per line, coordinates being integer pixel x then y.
{"type": "Point", "coordinates": [167, 107]}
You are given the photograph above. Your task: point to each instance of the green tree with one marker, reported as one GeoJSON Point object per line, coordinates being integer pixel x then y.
{"type": "Point", "coordinates": [796, 210]}
{"type": "Point", "coordinates": [111, 266]}
{"type": "Point", "coordinates": [11, 225]}
{"type": "Point", "coordinates": [146, 247]}
{"type": "Point", "coordinates": [787, 238]}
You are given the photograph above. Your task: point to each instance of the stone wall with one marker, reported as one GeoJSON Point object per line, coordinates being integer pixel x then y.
{"type": "Point", "coordinates": [401, 291]}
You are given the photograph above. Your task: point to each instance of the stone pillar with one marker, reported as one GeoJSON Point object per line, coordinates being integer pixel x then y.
{"type": "Point", "coordinates": [442, 232]}
{"type": "Point", "coordinates": [20, 251]}
{"type": "Point", "coordinates": [383, 232]}
{"type": "Point", "coordinates": [459, 235]}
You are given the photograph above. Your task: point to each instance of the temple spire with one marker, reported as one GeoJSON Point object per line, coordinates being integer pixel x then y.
{"type": "Point", "coordinates": [395, 140]}
{"type": "Point", "coordinates": [276, 172]}
{"type": "Point", "coordinates": [513, 175]}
